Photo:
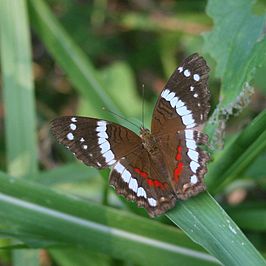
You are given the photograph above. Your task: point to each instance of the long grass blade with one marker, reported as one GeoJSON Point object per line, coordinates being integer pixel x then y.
{"type": "Point", "coordinates": [33, 213]}
{"type": "Point", "coordinates": [20, 126]}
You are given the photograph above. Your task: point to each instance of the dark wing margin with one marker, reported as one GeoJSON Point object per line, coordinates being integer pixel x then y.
{"type": "Point", "coordinates": [184, 101]}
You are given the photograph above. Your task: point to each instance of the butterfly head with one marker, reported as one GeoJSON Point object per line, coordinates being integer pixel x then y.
{"type": "Point", "coordinates": [144, 132]}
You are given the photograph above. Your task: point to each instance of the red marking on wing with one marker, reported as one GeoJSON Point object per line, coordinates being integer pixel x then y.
{"type": "Point", "coordinates": [179, 168]}
{"type": "Point", "coordinates": [178, 171]}
{"type": "Point", "coordinates": [157, 183]}
{"type": "Point", "coordinates": [150, 182]}
{"type": "Point", "coordinates": [141, 173]}
{"type": "Point", "coordinates": [179, 153]}
{"type": "Point", "coordinates": [178, 157]}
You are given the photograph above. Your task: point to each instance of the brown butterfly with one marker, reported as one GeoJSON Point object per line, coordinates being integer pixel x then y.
{"type": "Point", "coordinates": [162, 165]}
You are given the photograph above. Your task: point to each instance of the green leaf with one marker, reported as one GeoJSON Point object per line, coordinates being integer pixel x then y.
{"type": "Point", "coordinates": [237, 43]}
{"type": "Point", "coordinates": [20, 125]}
{"type": "Point", "coordinates": [69, 173]}
{"type": "Point", "coordinates": [89, 225]}
{"type": "Point", "coordinates": [231, 162]}
{"type": "Point", "coordinates": [250, 216]}
{"type": "Point", "coordinates": [257, 170]}
{"type": "Point", "coordinates": [206, 223]}
{"type": "Point", "coordinates": [78, 257]}
{"type": "Point", "coordinates": [21, 141]}
{"type": "Point", "coordinates": [70, 57]}
{"type": "Point", "coordinates": [193, 23]}
{"type": "Point", "coordinates": [119, 84]}
{"type": "Point", "coordinates": [38, 215]}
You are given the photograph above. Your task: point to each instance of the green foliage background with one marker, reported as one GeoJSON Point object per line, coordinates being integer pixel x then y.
{"type": "Point", "coordinates": [62, 57]}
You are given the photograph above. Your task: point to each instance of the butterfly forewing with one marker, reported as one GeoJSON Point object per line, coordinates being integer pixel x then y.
{"type": "Point", "coordinates": [95, 142]}
{"type": "Point", "coordinates": [184, 102]}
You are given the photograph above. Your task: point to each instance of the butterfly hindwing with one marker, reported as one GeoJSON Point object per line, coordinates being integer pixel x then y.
{"type": "Point", "coordinates": [186, 161]}
{"type": "Point", "coordinates": [95, 142]}
{"type": "Point", "coordinates": [138, 178]}
{"type": "Point", "coordinates": [184, 101]}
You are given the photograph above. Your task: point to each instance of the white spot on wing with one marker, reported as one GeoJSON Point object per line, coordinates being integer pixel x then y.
{"type": "Point", "coordinates": [193, 179]}
{"type": "Point", "coordinates": [179, 104]}
{"type": "Point", "coordinates": [74, 119]}
{"type": "Point", "coordinates": [141, 192]}
{"type": "Point", "coordinates": [70, 136]}
{"type": "Point", "coordinates": [196, 95]}
{"type": "Point", "coordinates": [196, 77]}
{"type": "Point", "coordinates": [101, 126]}
{"type": "Point", "coordinates": [105, 147]}
{"type": "Point", "coordinates": [191, 88]}
{"type": "Point", "coordinates": [101, 140]}
{"type": "Point", "coordinates": [82, 140]}
{"type": "Point", "coordinates": [102, 134]}
{"type": "Point", "coordinates": [170, 96]}
{"type": "Point", "coordinates": [165, 93]}
{"type": "Point", "coordinates": [187, 73]}
{"type": "Point", "coordinates": [191, 125]}
{"type": "Point", "coordinates": [126, 176]}
{"type": "Point", "coordinates": [85, 147]}
{"type": "Point", "coordinates": [188, 119]}
{"type": "Point", "coordinates": [189, 134]}
{"type": "Point", "coordinates": [119, 168]}
{"type": "Point", "coordinates": [109, 156]}
{"type": "Point", "coordinates": [191, 144]}
{"type": "Point", "coordinates": [101, 123]}
{"type": "Point", "coordinates": [173, 101]}
{"type": "Point", "coordinates": [152, 202]}
{"type": "Point", "coordinates": [180, 69]}
{"type": "Point", "coordinates": [73, 126]}
{"type": "Point", "coordinates": [193, 155]}
{"type": "Point", "coordinates": [111, 162]}
{"type": "Point", "coordinates": [194, 166]}
{"type": "Point", "coordinates": [183, 111]}
{"type": "Point", "coordinates": [133, 184]}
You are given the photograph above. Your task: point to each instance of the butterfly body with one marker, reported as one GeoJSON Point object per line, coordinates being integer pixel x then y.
{"type": "Point", "coordinates": [149, 142]}
{"type": "Point", "coordinates": [159, 166]}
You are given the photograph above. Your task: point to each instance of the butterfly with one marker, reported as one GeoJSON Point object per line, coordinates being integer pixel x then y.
{"type": "Point", "coordinates": [161, 165]}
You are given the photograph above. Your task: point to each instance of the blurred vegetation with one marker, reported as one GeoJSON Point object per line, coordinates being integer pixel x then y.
{"type": "Point", "coordinates": [64, 57]}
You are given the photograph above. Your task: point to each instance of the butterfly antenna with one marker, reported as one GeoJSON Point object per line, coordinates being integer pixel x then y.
{"type": "Point", "coordinates": [142, 118]}
{"type": "Point", "coordinates": [120, 116]}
